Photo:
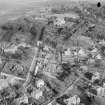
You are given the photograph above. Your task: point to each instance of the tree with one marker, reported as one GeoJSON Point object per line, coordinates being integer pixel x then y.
{"type": "Point", "coordinates": [65, 71]}
{"type": "Point", "coordinates": [4, 94]}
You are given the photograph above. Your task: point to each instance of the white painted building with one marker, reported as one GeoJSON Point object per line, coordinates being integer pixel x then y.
{"type": "Point", "coordinates": [23, 99]}
{"type": "Point", "coordinates": [75, 100]}
{"type": "Point", "coordinates": [94, 50]}
{"type": "Point", "coordinates": [102, 42]}
{"type": "Point", "coordinates": [104, 85]}
{"type": "Point", "coordinates": [46, 48]}
{"type": "Point", "coordinates": [14, 48]}
{"type": "Point", "coordinates": [1, 61]}
{"type": "Point", "coordinates": [68, 52]}
{"type": "Point", "coordinates": [82, 53]}
{"type": "Point", "coordinates": [36, 69]}
{"type": "Point", "coordinates": [59, 22]}
{"type": "Point", "coordinates": [11, 50]}
{"type": "Point", "coordinates": [101, 91]}
{"type": "Point", "coordinates": [99, 57]}
{"type": "Point", "coordinates": [96, 76]}
{"type": "Point", "coordinates": [37, 94]}
{"type": "Point", "coordinates": [40, 83]}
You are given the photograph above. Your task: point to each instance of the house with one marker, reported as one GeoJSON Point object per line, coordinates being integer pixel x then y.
{"type": "Point", "coordinates": [99, 57]}
{"type": "Point", "coordinates": [82, 53]}
{"type": "Point", "coordinates": [104, 84]}
{"type": "Point", "coordinates": [36, 69]}
{"type": "Point", "coordinates": [46, 48]}
{"type": "Point", "coordinates": [101, 91]}
{"type": "Point", "coordinates": [23, 99]}
{"type": "Point", "coordinates": [12, 50]}
{"type": "Point", "coordinates": [50, 104]}
{"type": "Point", "coordinates": [75, 100]}
{"type": "Point", "coordinates": [40, 83]}
{"type": "Point", "coordinates": [91, 61]}
{"type": "Point", "coordinates": [1, 61]}
{"type": "Point", "coordinates": [68, 52]}
{"type": "Point", "coordinates": [37, 94]}
{"type": "Point", "coordinates": [102, 42]}
{"type": "Point", "coordinates": [59, 21]}
{"type": "Point", "coordinates": [94, 50]}
{"type": "Point", "coordinates": [96, 76]}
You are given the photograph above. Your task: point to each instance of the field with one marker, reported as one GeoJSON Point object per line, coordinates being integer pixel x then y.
{"type": "Point", "coordinates": [16, 8]}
